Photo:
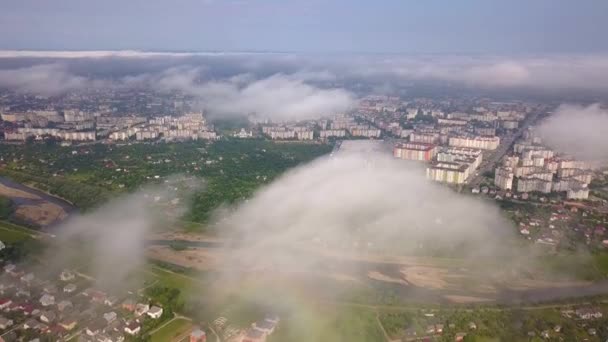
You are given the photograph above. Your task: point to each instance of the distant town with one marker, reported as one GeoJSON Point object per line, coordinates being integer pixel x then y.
{"type": "Point", "coordinates": [460, 140]}
{"type": "Point", "coordinates": [476, 146]}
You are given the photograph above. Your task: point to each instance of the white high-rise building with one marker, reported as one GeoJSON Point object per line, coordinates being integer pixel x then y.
{"type": "Point", "coordinates": [503, 178]}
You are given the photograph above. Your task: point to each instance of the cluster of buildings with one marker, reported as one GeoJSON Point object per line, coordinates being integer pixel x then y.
{"type": "Point", "coordinates": [338, 127]}
{"type": "Point", "coordinates": [453, 142]}
{"type": "Point", "coordinates": [78, 126]}
{"type": "Point", "coordinates": [67, 307]}
{"type": "Point", "coordinates": [288, 132]}
{"type": "Point", "coordinates": [257, 332]}
{"type": "Point", "coordinates": [452, 158]}
{"type": "Point", "coordinates": [446, 164]}
{"type": "Point", "coordinates": [190, 126]}
{"type": "Point", "coordinates": [454, 165]}
{"type": "Point", "coordinates": [535, 168]}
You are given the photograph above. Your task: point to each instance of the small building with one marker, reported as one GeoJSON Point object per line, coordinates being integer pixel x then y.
{"type": "Point", "coordinates": [254, 335]}
{"type": "Point", "coordinates": [5, 303]}
{"type": "Point", "coordinates": [66, 275]}
{"type": "Point", "coordinates": [95, 327]}
{"type": "Point", "coordinates": [267, 326]}
{"type": "Point", "coordinates": [5, 322]}
{"type": "Point", "coordinates": [110, 316]}
{"type": "Point", "coordinates": [129, 304]}
{"type": "Point", "coordinates": [68, 323]}
{"type": "Point", "coordinates": [110, 301]}
{"type": "Point", "coordinates": [30, 324]}
{"type": "Point", "coordinates": [197, 335]}
{"type": "Point", "coordinates": [588, 313]}
{"type": "Point", "coordinates": [47, 300]}
{"type": "Point", "coordinates": [69, 288]}
{"type": "Point", "coordinates": [133, 328]}
{"type": "Point", "coordinates": [155, 312]}
{"type": "Point", "coordinates": [63, 305]}
{"type": "Point", "coordinates": [141, 309]}
{"type": "Point", "coordinates": [460, 336]}
{"type": "Point", "coordinates": [48, 317]}
{"type": "Point", "coordinates": [28, 278]}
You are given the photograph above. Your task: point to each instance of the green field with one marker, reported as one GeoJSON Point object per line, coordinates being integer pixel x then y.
{"type": "Point", "coordinates": [10, 233]}
{"type": "Point", "coordinates": [329, 324]}
{"type": "Point", "coordinates": [232, 169]}
{"type": "Point", "coordinates": [174, 329]}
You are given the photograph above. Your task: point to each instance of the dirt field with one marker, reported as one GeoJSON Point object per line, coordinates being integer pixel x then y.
{"type": "Point", "coordinates": [427, 277]}
{"type": "Point", "coordinates": [200, 259]}
{"type": "Point", "coordinates": [11, 193]}
{"type": "Point", "coordinates": [171, 235]}
{"type": "Point", "coordinates": [466, 299]}
{"type": "Point", "coordinates": [42, 214]}
{"type": "Point", "coordinates": [383, 277]}
{"type": "Point", "coordinates": [31, 208]}
{"type": "Point", "coordinates": [442, 281]}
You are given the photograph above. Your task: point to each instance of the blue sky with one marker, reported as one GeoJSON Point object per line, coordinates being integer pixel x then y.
{"type": "Point", "coordinates": [313, 26]}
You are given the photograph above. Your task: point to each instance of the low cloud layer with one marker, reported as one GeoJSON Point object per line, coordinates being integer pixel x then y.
{"type": "Point", "coordinates": [578, 131]}
{"type": "Point", "coordinates": [279, 97]}
{"type": "Point", "coordinates": [352, 204]}
{"type": "Point", "coordinates": [287, 86]}
{"type": "Point", "coordinates": [44, 79]}
{"type": "Point", "coordinates": [558, 72]}
{"type": "Point", "coordinates": [109, 242]}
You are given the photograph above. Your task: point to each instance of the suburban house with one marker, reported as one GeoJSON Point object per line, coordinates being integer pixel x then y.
{"type": "Point", "coordinates": [141, 309]}
{"type": "Point", "coordinates": [69, 288]}
{"type": "Point", "coordinates": [129, 304]}
{"type": "Point", "coordinates": [47, 300]}
{"type": "Point", "coordinates": [155, 312]}
{"type": "Point", "coordinates": [133, 328]}
{"type": "Point", "coordinates": [5, 322]}
{"type": "Point", "coordinates": [5, 303]}
{"type": "Point", "coordinates": [588, 313]}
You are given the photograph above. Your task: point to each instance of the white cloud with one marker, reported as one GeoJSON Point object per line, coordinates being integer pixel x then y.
{"type": "Point", "coordinates": [578, 131]}
{"type": "Point", "coordinates": [559, 72]}
{"type": "Point", "coordinates": [355, 203]}
{"type": "Point", "coordinates": [45, 79]}
{"type": "Point", "coordinates": [279, 97]}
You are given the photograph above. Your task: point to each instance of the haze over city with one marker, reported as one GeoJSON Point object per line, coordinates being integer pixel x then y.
{"type": "Point", "coordinates": [264, 171]}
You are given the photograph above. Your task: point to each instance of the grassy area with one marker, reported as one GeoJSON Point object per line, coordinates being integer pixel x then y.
{"type": "Point", "coordinates": [601, 263]}
{"type": "Point", "coordinates": [172, 330]}
{"type": "Point", "coordinates": [10, 233]}
{"type": "Point", "coordinates": [6, 208]}
{"type": "Point", "coordinates": [186, 284]}
{"type": "Point", "coordinates": [329, 324]}
{"type": "Point", "coordinates": [232, 169]}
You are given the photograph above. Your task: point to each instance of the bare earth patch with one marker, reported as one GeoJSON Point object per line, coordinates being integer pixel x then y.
{"type": "Point", "coordinates": [343, 277]}
{"type": "Point", "coordinates": [424, 276]}
{"type": "Point", "coordinates": [12, 192]}
{"type": "Point", "coordinates": [466, 299]}
{"type": "Point", "coordinates": [42, 214]}
{"type": "Point", "coordinates": [383, 277]}
{"type": "Point", "coordinates": [200, 259]}
{"type": "Point", "coordinates": [527, 284]}
{"type": "Point", "coordinates": [195, 237]}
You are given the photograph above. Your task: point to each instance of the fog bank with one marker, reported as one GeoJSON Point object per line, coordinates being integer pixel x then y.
{"type": "Point", "coordinates": [578, 131]}
{"type": "Point", "coordinates": [354, 204]}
